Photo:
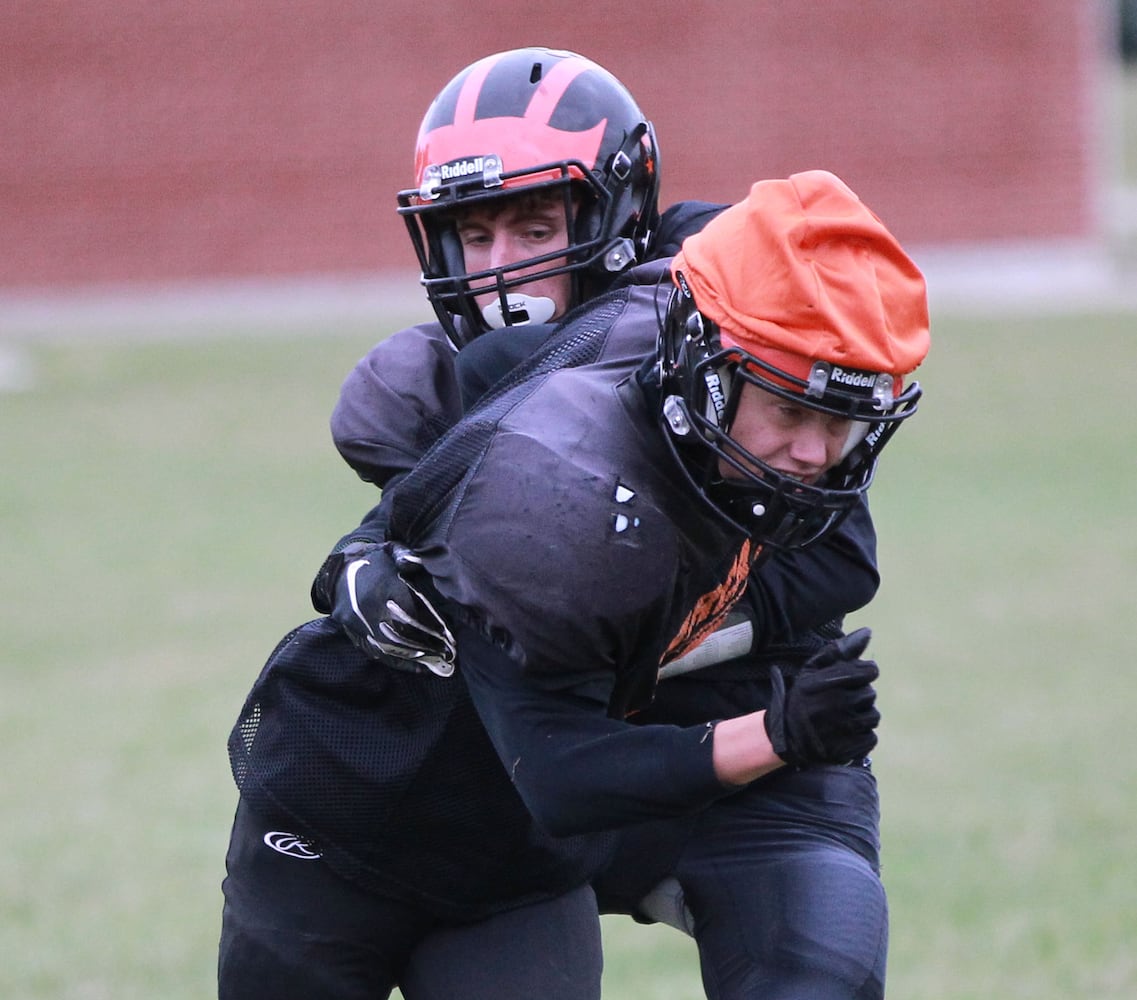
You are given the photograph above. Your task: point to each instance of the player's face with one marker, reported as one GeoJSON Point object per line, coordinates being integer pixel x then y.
{"type": "Point", "coordinates": [515, 231]}
{"type": "Point", "coordinates": [793, 439]}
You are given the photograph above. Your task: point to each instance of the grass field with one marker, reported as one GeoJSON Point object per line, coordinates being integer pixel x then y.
{"type": "Point", "coordinates": [164, 507]}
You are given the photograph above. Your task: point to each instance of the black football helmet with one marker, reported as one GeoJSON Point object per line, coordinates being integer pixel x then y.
{"type": "Point", "coordinates": [700, 383]}
{"type": "Point", "coordinates": [526, 120]}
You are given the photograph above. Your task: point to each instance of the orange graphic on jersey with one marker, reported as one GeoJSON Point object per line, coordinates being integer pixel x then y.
{"type": "Point", "coordinates": [711, 609]}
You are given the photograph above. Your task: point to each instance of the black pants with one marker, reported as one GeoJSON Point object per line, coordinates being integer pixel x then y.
{"type": "Point", "coordinates": [293, 930]}
{"type": "Point", "coordinates": [782, 881]}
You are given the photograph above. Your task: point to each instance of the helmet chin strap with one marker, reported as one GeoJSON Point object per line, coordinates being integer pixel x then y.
{"type": "Point", "coordinates": [523, 309]}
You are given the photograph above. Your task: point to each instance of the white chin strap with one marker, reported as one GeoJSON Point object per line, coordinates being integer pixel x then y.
{"type": "Point", "coordinates": [523, 309]}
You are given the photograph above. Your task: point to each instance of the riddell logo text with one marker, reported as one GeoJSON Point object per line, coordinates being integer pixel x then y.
{"type": "Point", "coordinates": [858, 379]}
{"type": "Point", "coordinates": [462, 168]}
{"type": "Point", "coordinates": [718, 397]}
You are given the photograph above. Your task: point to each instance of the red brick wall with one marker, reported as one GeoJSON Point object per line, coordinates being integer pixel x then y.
{"type": "Point", "coordinates": [145, 140]}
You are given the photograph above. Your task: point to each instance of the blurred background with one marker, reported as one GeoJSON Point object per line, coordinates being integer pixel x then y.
{"type": "Point", "coordinates": [155, 146]}
{"type": "Point", "coordinates": [199, 241]}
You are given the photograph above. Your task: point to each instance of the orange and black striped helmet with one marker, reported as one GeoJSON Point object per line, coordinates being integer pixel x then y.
{"type": "Point", "coordinates": [526, 120]}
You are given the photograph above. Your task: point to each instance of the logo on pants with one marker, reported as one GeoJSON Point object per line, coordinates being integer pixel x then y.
{"type": "Point", "coordinates": [291, 845]}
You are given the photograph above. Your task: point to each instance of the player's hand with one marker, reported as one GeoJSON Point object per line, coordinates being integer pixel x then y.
{"type": "Point", "coordinates": [827, 713]}
{"type": "Point", "coordinates": [386, 614]}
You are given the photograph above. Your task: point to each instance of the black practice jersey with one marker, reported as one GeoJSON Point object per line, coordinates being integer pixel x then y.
{"type": "Point", "coordinates": [391, 775]}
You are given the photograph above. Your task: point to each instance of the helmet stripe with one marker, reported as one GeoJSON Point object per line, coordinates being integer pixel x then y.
{"type": "Point", "coordinates": [552, 88]}
{"type": "Point", "coordinates": [472, 88]}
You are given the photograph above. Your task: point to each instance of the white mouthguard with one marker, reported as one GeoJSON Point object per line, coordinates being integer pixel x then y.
{"type": "Point", "coordinates": [523, 309]}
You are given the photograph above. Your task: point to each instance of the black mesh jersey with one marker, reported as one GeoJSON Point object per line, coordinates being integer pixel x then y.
{"type": "Point", "coordinates": [392, 779]}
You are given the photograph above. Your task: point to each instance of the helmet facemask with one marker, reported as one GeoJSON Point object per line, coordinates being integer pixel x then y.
{"type": "Point", "coordinates": [453, 289]}
{"type": "Point", "coordinates": [702, 383]}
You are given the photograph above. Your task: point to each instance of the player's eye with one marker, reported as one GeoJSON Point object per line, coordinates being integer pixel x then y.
{"type": "Point", "coordinates": [473, 237]}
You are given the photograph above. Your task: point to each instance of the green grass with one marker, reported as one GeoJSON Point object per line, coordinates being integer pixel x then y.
{"type": "Point", "coordinates": [1009, 553]}
{"type": "Point", "coordinates": [164, 507]}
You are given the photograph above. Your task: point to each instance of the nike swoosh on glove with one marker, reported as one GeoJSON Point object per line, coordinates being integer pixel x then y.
{"type": "Point", "coordinates": [386, 614]}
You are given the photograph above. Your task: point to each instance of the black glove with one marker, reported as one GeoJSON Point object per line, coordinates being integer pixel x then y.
{"type": "Point", "coordinates": [828, 713]}
{"type": "Point", "coordinates": [385, 613]}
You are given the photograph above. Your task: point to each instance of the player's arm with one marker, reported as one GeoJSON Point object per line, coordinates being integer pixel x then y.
{"type": "Point", "coordinates": [578, 770]}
